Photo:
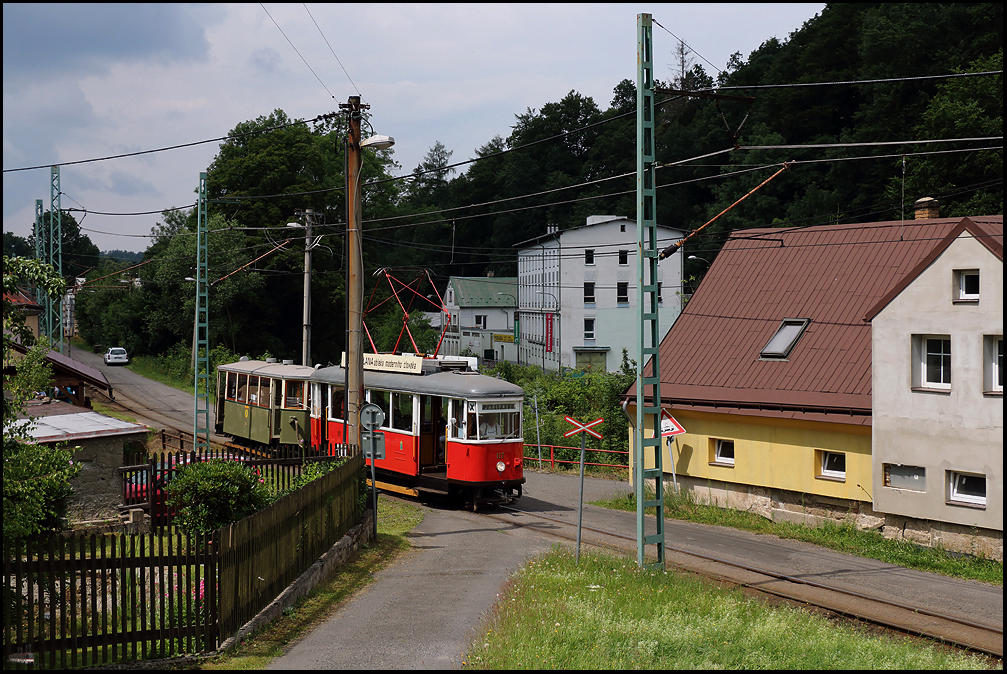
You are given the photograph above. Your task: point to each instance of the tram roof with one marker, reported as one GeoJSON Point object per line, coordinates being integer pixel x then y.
{"type": "Point", "coordinates": [263, 369]}
{"type": "Point", "coordinates": [450, 384]}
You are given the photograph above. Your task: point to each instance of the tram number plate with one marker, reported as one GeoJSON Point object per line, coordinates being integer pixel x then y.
{"type": "Point", "coordinates": [374, 439]}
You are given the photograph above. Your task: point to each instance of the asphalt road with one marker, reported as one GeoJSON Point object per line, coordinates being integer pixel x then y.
{"type": "Point", "coordinates": [152, 403]}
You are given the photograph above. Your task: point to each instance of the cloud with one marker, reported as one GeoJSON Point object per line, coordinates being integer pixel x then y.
{"type": "Point", "coordinates": [82, 39]}
{"type": "Point", "coordinates": [264, 60]}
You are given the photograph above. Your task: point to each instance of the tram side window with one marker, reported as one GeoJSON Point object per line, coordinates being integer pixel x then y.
{"type": "Point", "coordinates": [253, 390]}
{"type": "Point", "coordinates": [232, 385]}
{"type": "Point", "coordinates": [295, 394]}
{"type": "Point", "coordinates": [337, 397]}
{"type": "Point", "coordinates": [402, 411]}
{"type": "Point", "coordinates": [242, 388]}
{"type": "Point", "coordinates": [380, 398]}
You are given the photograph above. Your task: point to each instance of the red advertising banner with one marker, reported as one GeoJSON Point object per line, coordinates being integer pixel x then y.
{"type": "Point", "coordinates": [548, 333]}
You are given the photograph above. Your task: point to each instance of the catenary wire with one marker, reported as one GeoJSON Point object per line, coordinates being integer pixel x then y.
{"type": "Point", "coordinates": [296, 50]}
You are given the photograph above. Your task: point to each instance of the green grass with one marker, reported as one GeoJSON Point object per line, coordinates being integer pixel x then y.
{"type": "Point", "coordinates": [146, 366]}
{"type": "Point", "coordinates": [257, 651]}
{"type": "Point", "coordinates": [606, 613]}
{"type": "Point", "coordinates": [840, 537]}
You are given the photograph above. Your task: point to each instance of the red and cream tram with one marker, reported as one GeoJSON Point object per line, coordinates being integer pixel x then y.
{"type": "Point", "coordinates": [447, 429]}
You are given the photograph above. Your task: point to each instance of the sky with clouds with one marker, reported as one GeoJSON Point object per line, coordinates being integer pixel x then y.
{"type": "Point", "coordinates": [90, 81]}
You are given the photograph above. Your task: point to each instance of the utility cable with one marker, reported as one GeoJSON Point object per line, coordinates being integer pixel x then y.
{"type": "Point", "coordinates": [295, 49]}
{"type": "Point", "coordinates": [331, 50]}
{"type": "Point", "coordinates": [875, 81]}
{"type": "Point", "coordinates": [176, 147]}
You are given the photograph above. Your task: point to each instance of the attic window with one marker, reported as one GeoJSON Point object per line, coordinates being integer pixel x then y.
{"type": "Point", "coordinates": [782, 343]}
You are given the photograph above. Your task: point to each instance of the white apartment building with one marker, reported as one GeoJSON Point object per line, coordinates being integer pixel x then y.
{"type": "Point", "coordinates": [577, 294]}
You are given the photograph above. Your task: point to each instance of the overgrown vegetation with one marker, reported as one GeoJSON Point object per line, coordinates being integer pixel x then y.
{"type": "Point", "coordinates": [840, 537]}
{"type": "Point", "coordinates": [212, 494]}
{"type": "Point", "coordinates": [36, 478]}
{"type": "Point", "coordinates": [585, 396]}
{"type": "Point", "coordinates": [606, 613]}
{"type": "Point", "coordinates": [565, 143]}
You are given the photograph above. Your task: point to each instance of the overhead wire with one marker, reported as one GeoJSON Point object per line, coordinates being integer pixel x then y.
{"type": "Point", "coordinates": [296, 50]}
{"type": "Point", "coordinates": [355, 88]}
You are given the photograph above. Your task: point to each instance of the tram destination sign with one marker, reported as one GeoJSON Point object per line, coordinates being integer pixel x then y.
{"type": "Point", "coordinates": [387, 362]}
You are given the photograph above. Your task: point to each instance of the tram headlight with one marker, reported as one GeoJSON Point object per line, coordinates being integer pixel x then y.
{"type": "Point", "coordinates": [500, 466]}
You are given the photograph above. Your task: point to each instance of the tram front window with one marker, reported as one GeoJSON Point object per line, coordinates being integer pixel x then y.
{"type": "Point", "coordinates": [499, 425]}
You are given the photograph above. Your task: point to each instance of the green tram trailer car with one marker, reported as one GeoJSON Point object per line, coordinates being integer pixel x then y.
{"type": "Point", "coordinates": [263, 402]}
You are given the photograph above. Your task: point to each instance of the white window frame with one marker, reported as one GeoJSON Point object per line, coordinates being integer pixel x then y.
{"type": "Point", "coordinates": [955, 494]}
{"type": "Point", "coordinates": [720, 456]}
{"type": "Point", "coordinates": [590, 335]}
{"type": "Point", "coordinates": [480, 320]}
{"type": "Point", "coordinates": [993, 361]}
{"type": "Point", "coordinates": [925, 362]}
{"type": "Point", "coordinates": [961, 277]}
{"type": "Point", "coordinates": [589, 257]}
{"type": "Point", "coordinates": [621, 299]}
{"type": "Point", "coordinates": [624, 255]}
{"type": "Point", "coordinates": [592, 298]}
{"type": "Point", "coordinates": [829, 473]}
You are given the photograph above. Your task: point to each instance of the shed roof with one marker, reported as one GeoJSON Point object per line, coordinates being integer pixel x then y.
{"type": "Point", "coordinates": [62, 422]}
{"type": "Point", "coordinates": [832, 275]}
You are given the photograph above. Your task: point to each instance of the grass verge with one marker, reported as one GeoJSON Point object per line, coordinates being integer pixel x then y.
{"type": "Point", "coordinates": [310, 611]}
{"type": "Point", "coordinates": [606, 613]}
{"type": "Point", "coordinates": [844, 538]}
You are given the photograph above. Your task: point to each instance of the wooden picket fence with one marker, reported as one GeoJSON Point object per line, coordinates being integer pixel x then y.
{"type": "Point", "coordinates": [91, 600]}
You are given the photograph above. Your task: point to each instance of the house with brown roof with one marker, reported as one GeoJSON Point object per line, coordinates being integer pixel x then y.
{"type": "Point", "coordinates": [769, 368]}
{"type": "Point", "coordinates": [937, 419]}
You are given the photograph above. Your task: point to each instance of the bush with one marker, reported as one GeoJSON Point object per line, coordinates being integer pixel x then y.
{"type": "Point", "coordinates": [210, 494]}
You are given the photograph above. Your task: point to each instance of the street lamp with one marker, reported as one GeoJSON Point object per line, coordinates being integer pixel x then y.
{"type": "Point", "coordinates": [355, 269]}
{"type": "Point", "coordinates": [696, 257]}
{"type": "Point", "coordinates": [515, 303]}
{"type": "Point", "coordinates": [308, 246]}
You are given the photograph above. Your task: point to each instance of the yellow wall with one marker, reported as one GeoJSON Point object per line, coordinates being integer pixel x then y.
{"type": "Point", "coordinates": [771, 453]}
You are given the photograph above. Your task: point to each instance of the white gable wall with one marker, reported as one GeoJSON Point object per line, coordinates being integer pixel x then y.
{"type": "Point", "coordinates": [960, 429]}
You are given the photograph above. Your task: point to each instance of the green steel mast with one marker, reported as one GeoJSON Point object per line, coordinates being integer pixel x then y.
{"type": "Point", "coordinates": [201, 378]}
{"type": "Point", "coordinates": [647, 450]}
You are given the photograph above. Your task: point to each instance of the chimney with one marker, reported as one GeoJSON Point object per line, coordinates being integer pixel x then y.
{"type": "Point", "coordinates": [926, 208]}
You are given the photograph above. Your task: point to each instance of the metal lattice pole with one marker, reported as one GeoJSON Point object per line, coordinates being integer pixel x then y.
{"type": "Point", "coordinates": [201, 378]}
{"type": "Point", "coordinates": [647, 450]}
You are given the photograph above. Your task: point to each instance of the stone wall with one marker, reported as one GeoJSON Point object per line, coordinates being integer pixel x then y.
{"type": "Point", "coordinates": [785, 506]}
{"type": "Point", "coordinates": [97, 489]}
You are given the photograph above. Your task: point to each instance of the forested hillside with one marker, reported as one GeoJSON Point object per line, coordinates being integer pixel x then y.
{"type": "Point", "coordinates": [856, 75]}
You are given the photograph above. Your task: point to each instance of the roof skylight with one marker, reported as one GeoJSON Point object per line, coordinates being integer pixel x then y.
{"type": "Point", "coordinates": [782, 343]}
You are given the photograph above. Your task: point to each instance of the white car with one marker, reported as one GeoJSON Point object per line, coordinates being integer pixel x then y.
{"type": "Point", "coordinates": [116, 355]}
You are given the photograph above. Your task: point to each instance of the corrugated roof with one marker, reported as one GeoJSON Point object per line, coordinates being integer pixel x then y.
{"type": "Point", "coordinates": [481, 291]}
{"type": "Point", "coordinates": [832, 275]}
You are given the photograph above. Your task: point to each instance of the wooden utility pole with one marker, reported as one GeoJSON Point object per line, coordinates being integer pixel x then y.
{"type": "Point", "coordinates": [355, 277]}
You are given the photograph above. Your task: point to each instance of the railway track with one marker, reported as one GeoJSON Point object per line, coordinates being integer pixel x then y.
{"type": "Point", "coordinates": [953, 630]}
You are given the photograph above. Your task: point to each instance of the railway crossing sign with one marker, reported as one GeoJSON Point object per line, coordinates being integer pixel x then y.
{"type": "Point", "coordinates": [669, 426]}
{"type": "Point", "coordinates": [585, 428]}
{"type": "Point", "coordinates": [582, 428]}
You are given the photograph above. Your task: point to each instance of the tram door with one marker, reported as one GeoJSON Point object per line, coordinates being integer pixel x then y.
{"type": "Point", "coordinates": [431, 431]}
